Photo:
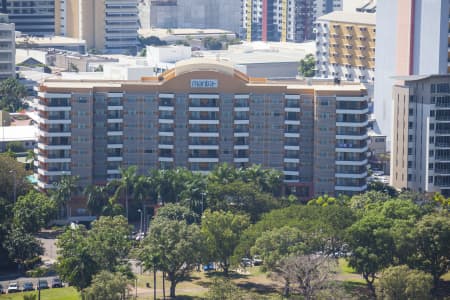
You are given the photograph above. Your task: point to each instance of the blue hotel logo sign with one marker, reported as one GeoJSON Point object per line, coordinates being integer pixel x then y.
{"type": "Point", "coordinates": [204, 83]}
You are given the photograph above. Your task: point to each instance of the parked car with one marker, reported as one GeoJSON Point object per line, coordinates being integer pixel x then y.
{"type": "Point", "coordinates": [57, 283]}
{"type": "Point", "coordinates": [13, 288]}
{"type": "Point", "coordinates": [28, 286]}
{"type": "Point", "coordinates": [246, 262]}
{"type": "Point", "coordinates": [208, 267]}
{"type": "Point", "coordinates": [42, 284]}
{"type": "Point", "coordinates": [257, 261]}
{"type": "Point", "coordinates": [2, 290]}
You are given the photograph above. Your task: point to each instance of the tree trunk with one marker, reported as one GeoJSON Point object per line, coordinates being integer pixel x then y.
{"type": "Point", "coordinates": [173, 285]}
{"type": "Point", "coordinates": [225, 270]}
{"type": "Point", "coordinates": [287, 289]}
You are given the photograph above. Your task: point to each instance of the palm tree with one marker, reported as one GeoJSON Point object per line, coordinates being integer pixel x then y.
{"type": "Point", "coordinates": [97, 198]}
{"type": "Point", "coordinates": [65, 189]}
{"type": "Point", "coordinates": [223, 174]}
{"type": "Point", "coordinates": [126, 183]}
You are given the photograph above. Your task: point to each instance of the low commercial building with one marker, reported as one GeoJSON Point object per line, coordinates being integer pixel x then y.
{"type": "Point", "coordinates": [200, 114]}
{"type": "Point", "coordinates": [52, 42]}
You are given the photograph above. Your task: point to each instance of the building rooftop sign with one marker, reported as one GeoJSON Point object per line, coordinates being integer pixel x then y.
{"type": "Point", "coordinates": [204, 83]}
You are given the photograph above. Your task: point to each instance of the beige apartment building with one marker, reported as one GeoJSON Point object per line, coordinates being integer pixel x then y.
{"type": "Point", "coordinates": [108, 26]}
{"type": "Point", "coordinates": [346, 46]}
{"type": "Point", "coordinates": [200, 114]}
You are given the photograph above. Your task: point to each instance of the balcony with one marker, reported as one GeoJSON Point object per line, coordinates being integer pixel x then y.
{"type": "Point", "coordinates": [204, 129]}
{"type": "Point", "coordinates": [357, 189]}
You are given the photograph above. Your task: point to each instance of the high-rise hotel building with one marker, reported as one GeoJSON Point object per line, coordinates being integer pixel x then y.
{"type": "Point", "coordinates": [200, 114]}
{"type": "Point", "coordinates": [108, 26]}
{"type": "Point", "coordinates": [283, 20]}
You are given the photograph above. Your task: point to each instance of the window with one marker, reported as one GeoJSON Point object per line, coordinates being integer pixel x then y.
{"type": "Point", "coordinates": [431, 113]}
{"type": "Point", "coordinates": [430, 179]}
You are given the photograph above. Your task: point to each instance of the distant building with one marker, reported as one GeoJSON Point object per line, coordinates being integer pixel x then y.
{"type": "Point", "coordinates": [31, 17]}
{"type": "Point", "coordinates": [420, 157]}
{"type": "Point", "coordinates": [200, 14]}
{"type": "Point", "coordinates": [7, 48]}
{"type": "Point", "coordinates": [365, 6]}
{"type": "Point", "coordinates": [200, 114]}
{"type": "Point", "coordinates": [52, 42]}
{"type": "Point", "coordinates": [271, 20]}
{"type": "Point", "coordinates": [256, 59]}
{"type": "Point", "coordinates": [108, 26]}
{"type": "Point", "coordinates": [346, 46]}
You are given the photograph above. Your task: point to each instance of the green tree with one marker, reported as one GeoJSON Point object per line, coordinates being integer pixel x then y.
{"type": "Point", "coordinates": [75, 263]}
{"type": "Point", "coordinates": [176, 212]}
{"type": "Point", "coordinates": [366, 201]}
{"type": "Point", "coordinates": [223, 174]}
{"type": "Point", "coordinates": [12, 172]}
{"type": "Point", "coordinates": [124, 189]}
{"type": "Point", "coordinates": [107, 286]}
{"type": "Point", "coordinates": [241, 197]}
{"type": "Point", "coordinates": [307, 66]}
{"type": "Point", "coordinates": [276, 244]}
{"type": "Point", "coordinates": [108, 241]}
{"type": "Point", "coordinates": [222, 232]}
{"type": "Point", "coordinates": [66, 187]}
{"type": "Point", "coordinates": [400, 282]}
{"type": "Point", "coordinates": [173, 247]}
{"type": "Point", "coordinates": [22, 246]}
{"type": "Point", "coordinates": [96, 198]}
{"type": "Point", "coordinates": [33, 211]}
{"type": "Point", "coordinates": [15, 147]}
{"type": "Point", "coordinates": [372, 245]}
{"type": "Point", "coordinates": [12, 94]}
{"type": "Point", "coordinates": [224, 289]}
{"type": "Point", "coordinates": [432, 247]}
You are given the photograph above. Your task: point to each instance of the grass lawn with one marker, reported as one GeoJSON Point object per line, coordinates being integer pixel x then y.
{"type": "Point", "coordinates": [68, 293]}
{"type": "Point", "coordinates": [344, 267]}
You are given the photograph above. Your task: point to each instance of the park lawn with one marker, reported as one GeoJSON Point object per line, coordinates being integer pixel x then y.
{"type": "Point", "coordinates": [67, 293]}
{"type": "Point", "coordinates": [344, 267]}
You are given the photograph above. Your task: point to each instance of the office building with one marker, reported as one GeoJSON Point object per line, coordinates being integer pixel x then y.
{"type": "Point", "coordinates": [109, 26]}
{"type": "Point", "coordinates": [346, 46]}
{"type": "Point", "coordinates": [31, 17]}
{"type": "Point", "coordinates": [199, 14]}
{"type": "Point", "coordinates": [271, 20]}
{"type": "Point", "coordinates": [412, 39]}
{"type": "Point", "coordinates": [7, 48]}
{"type": "Point", "coordinates": [420, 158]}
{"type": "Point", "coordinates": [202, 113]}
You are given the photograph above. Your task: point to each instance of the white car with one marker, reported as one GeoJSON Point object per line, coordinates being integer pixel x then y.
{"type": "Point", "coordinates": [13, 288]}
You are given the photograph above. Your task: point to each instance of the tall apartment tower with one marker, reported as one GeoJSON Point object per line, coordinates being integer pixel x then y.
{"type": "Point", "coordinates": [109, 26]}
{"type": "Point", "coordinates": [420, 157]}
{"type": "Point", "coordinates": [412, 39]}
{"type": "Point", "coordinates": [345, 43]}
{"type": "Point", "coordinates": [32, 17]}
{"type": "Point", "coordinates": [7, 48]}
{"type": "Point", "coordinates": [272, 20]}
{"type": "Point", "coordinates": [202, 113]}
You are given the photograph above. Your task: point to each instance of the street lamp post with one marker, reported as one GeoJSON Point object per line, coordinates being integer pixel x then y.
{"type": "Point", "coordinates": [203, 195]}
{"type": "Point", "coordinates": [15, 183]}
{"type": "Point", "coordinates": [140, 227]}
